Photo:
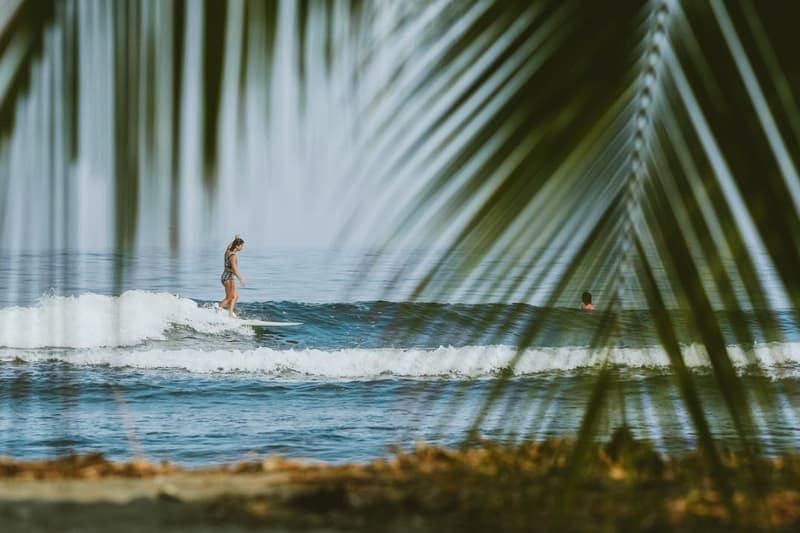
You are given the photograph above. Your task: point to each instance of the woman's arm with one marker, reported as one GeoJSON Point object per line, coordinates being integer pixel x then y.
{"type": "Point", "coordinates": [235, 268]}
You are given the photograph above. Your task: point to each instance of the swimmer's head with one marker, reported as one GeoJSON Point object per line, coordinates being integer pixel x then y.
{"type": "Point", "coordinates": [587, 298]}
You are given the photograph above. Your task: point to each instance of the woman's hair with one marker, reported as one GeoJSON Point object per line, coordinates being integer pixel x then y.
{"type": "Point", "coordinates": [587, 297]}
{"type": "Point", "coordinates": [236, 242]}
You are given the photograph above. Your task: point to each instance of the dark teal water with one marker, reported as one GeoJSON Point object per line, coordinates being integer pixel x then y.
{"type": "Point", "coordinates": [137, 361]}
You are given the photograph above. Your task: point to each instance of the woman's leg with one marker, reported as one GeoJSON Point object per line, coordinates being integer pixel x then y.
{"type": "Point", "coordinates": [225, 301]}
{"type": "Point", "coordinates": [234, 297]}
{"type": "Point", "coordinates": [229, 291]}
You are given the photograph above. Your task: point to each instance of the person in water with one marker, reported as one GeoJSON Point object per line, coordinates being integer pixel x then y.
{"type": "Point", "coordinates": [231, 270]}
{"type": "Point", "coordinates": [587, 301]}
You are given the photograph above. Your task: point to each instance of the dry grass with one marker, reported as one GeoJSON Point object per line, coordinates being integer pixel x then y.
{"type": "Point", "coordinates": [90, 466]}
{"type": "Point", "coordinates": [621, 485]}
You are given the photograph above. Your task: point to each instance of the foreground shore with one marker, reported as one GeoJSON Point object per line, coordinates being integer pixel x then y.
{"type": "Point", "coordinates": [620, 485]}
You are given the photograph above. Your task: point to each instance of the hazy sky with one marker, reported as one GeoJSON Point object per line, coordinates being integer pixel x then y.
{"type": "Point", "coordinates": [292, 159]}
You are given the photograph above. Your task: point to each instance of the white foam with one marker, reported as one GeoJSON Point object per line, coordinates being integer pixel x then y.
{"type": "Point", "coordinates": [482, 361]}
{"type": "Point", "coordinates": [93, 320]}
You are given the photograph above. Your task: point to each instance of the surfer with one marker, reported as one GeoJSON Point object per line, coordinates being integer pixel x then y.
{"type": "Point", "coordinates": [231, 270]}
{"type": "Point", "coordinates": [587, 301]}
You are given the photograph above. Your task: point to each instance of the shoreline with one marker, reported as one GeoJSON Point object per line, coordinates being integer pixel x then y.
{"type": "Point", "coordinates": [622, 484]}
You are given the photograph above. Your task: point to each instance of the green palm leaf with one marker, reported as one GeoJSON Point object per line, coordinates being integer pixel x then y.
{"type": "Point", "coordinates": [647, 150]}
{"type": "Point", "coordinates": [621, 142]}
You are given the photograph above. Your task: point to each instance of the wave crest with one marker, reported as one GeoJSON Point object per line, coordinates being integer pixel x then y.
{"type": "Point", "coordinates": [93, 320]}
{"type": "Point", "coordinates": [461, 362]}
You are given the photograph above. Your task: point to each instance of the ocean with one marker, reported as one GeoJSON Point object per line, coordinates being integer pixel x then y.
{"type": "Point", "coordinates": [126, 355]}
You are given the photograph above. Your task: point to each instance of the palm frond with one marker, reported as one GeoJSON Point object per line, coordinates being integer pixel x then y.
{"type": "Point", "coordinates": [657, 165]}
{"type": "Point", "coordinates": [645, 149]}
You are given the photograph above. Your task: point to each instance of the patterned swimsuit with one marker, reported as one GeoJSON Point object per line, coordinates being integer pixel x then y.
{"type": "Point", "coordinates": [227, 274]}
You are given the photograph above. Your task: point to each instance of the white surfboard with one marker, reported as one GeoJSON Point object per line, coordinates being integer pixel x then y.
{"type": "Point", "coordinates": [262, 323]}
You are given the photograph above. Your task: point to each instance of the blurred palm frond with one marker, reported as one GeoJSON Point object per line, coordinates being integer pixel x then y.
{"type": "Point", "coordinates": [644, 149]}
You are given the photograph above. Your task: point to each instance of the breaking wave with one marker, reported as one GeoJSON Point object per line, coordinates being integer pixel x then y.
{"type": "Point", "coordinates": [452, 362]}
{"type": "Point", "coordinates": [94, 320]}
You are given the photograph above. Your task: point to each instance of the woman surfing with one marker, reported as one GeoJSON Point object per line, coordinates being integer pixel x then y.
{"type": "Point", "coordinates": [231, 270]}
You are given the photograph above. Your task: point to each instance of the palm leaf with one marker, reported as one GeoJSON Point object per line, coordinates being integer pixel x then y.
{"type": "Point", "coordinates": [645, 149]}
{"type": "Point", "coordinates": [696, 117]}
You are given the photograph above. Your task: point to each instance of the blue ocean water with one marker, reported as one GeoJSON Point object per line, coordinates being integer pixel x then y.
{"type": "Point", "coordinates": [127, 355]}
